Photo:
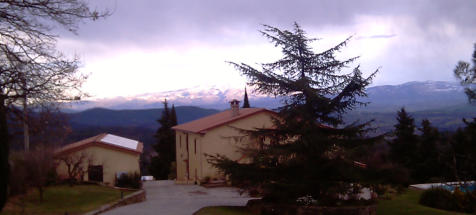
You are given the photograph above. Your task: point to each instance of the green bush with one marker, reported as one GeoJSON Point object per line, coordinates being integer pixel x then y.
{"type": "Point", "coordinates": [438, 198]}
{"type": "Point", "coordinates": [129, 180]}
{"type": "Point", "coordinates": [465, 202]}
{"type": "Point", "coordinates": [173, 171]}
{"type": "Point", "coordinates": [443, 199]}
{"type": "Point", "coordinates": [394, 174]}
{"type": "Point", "coordinates": [18, 175]}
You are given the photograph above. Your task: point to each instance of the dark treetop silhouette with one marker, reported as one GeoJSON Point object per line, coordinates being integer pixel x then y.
{"type": "Point", "coordinates": [309, 152]}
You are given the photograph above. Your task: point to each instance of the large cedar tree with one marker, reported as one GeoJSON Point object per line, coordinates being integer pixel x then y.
{"type": "Point", "coordinates": [310, 150]}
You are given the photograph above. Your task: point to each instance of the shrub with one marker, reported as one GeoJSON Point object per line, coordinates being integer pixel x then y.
{"type": "Point", "coordinates": [444, 199]}
{"type": "Point", "coordinates": [438, 198]}
{"type": "Point", "coordinates": [397, 175]}
{"type": "Point", "coordinates": [465, 202]}
{"type": "Point", "coordinates": [385, 191]}
{"type": "Point", "coordinates": [129, 180]}
{"type": "Point", "coordinates": [34, 169]}
{"type": "Point", "coordinates": [471, 197]}
{"type": "Point", "coordinates": [205, 180]}
{"type": "Point", "coordinates": [173, 171]}
{"type": "Point", "coordinates": [18, 175]}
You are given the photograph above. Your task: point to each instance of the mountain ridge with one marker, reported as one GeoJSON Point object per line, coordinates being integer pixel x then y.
{"type": "Point", "coordinates": [141, 124]}
{"type": "Point", "coordinates": [146, 118]}
{"type": "Point", "coordinates": [415, 95]}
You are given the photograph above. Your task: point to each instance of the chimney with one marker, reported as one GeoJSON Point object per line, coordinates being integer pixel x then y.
{"type": "Point", "coordinates": [235, 107]}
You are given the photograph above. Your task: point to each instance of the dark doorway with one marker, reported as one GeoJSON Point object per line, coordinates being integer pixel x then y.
{"type": "Point", "coordinates": [95, 173]}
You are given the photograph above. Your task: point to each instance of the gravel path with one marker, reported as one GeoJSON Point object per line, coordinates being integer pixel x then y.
{"type": "Point", "coordinates": [166, 198]}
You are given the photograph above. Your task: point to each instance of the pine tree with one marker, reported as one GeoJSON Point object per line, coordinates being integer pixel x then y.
{"type": "Point", "coordinates": [462, 142]}
{"type": "Point", "coordinates": [464, 152]}
{"type": "Point", "coordinates": [403, 149]}
{"type": "Point", "coordinates": [165, 146]}
{"type": "Point", "coordinates": [173, 116]}
{"type": "Point", "coordinates": [310, 150]}
{"type": "Point", "coordinates": [428, 162]}
{"type": "Point", "coordinates": [467, 76]}
{"type": "Point", "coordinates": [246, 103]}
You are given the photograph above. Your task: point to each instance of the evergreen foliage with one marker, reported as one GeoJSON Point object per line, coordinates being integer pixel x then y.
{"type": "Point", "coordinates": [165, 146]}
{"type": "Point", "coordinates": [173, 116]}
{"type": "Point", "coordinates": [309, 152]}
{"type": "Point", "coordinates": [405, 145]}
{"type": "Point", "coordinates": [246, 103]}
{"type": "Point", "coordinates": [464, 161]}
{"type": "Point", "coordinates": [463, 145]}
{"type": "Point", "coordinates": [129, 180]}
{"type": "Point", "coordinates": [428, 164]}
{"type": "Point", "coordinates": [467, 76]}
{"type": "Point", "coordinates": [433, 156]}
{"type": "Point", "coordinates": [457, 200]}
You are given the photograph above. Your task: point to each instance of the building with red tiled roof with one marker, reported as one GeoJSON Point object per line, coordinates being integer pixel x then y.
{"type": "Point", "coordinates": [215, 134]}
{"type": "Point", "coordinates": [102, 158]}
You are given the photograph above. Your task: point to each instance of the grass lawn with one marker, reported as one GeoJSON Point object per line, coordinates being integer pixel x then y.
{"type": "Point", "coordinates": [63, 198]}
{"type": "Point", "coordinates": [404, 204]}
{"type": "Point", "coordinates": [407, 203]}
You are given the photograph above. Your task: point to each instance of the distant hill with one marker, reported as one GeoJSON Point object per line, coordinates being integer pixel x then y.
{"type": "Point", "coordinates": [142, 124]}
{"type": "Point", "coordinates": [135, 124]}
{"type": "Point", "coordinates": [443, 103]}
{"type": "Point", "coordinates": [445, 119]}
{"type": "Point", "coordinates": [415, 96]}
{"type": "Point", "coordinates": [134, 118]}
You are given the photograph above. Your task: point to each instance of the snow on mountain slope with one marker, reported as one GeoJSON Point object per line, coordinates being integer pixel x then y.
{"type": "Point", "coordinates": [214, 97]}
{"type": "Point", "coordinates": [412, 95]}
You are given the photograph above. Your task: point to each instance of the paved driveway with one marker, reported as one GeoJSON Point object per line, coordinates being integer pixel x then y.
{"type": "Point", "coordinates": [166, 198]}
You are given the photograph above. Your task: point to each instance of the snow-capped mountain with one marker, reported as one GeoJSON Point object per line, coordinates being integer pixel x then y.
{"type": "Point", "coordinates": [411, 95]}
{"type": "Point", "coordinates": [214, 97]}
{"type": "Point", "coordinates": [415, 96]}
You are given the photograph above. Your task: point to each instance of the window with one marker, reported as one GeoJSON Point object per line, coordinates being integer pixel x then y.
{"type": "Point", "coordinates": [186, 142]}
{"type": "Point", "coordinates": [95, 173]}
{"type": "Point", "coordinates": [195, 142]}
{"type": "Point", "coordinates": [180, 141]}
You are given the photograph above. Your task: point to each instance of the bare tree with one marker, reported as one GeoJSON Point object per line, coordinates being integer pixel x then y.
{"type": "Point", "coordinates": [31, 69]}
{"type": "Point", "coordinates": [40, 165]}
{"type": "Point", "coordinates": [30, 64]}
{"type": "Point", "coordinates": [33, 169]}
{"type": "Point", "coordinates": [49, 127]}
{"type": "Point", "coordinates": [76, 165]}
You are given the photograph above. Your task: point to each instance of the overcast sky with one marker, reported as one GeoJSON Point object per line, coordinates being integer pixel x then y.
{"type": "Point", "coordinates": [149, 46]}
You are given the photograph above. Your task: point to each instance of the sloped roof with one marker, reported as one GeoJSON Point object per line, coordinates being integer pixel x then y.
{"type": "Point", "coordinates": [205, 124]}
{"type": "Point", "coordinates": [107, 140]}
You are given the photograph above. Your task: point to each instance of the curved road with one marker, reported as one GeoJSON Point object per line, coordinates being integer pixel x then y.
{"type": "Point", "coordinates": [166, 198]}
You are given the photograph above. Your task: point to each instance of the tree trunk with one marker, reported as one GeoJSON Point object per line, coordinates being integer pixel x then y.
{"type": "Point", "coordinates": [26, 134]}
{"type": "Point", "coordinates": [4, 151]}
{"type": "Point", "coordinates": [455, 170]}
{"type": "Point", "coordinates": [40, 191]}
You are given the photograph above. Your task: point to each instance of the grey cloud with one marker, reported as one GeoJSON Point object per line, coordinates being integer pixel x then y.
{"type": "Point", "coordinates": [418, 53]}
{"type": "Point", "coordinates": [381, 36]}
{"type": "Point", "coordinates": [167, 21]}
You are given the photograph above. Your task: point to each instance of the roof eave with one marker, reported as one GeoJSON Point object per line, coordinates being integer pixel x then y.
{"type": "Point", "coordinates": [60, 152]}
{"type": "Point", "coordinates": [204, 131]}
